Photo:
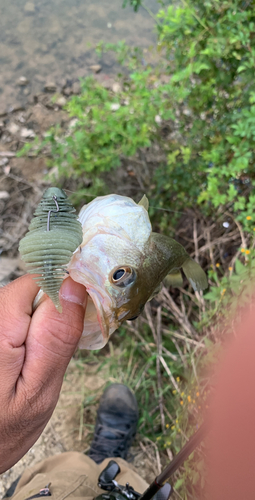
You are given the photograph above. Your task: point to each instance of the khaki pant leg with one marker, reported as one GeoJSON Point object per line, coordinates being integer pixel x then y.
{"type": "Point", "coordinates": [72, 475]}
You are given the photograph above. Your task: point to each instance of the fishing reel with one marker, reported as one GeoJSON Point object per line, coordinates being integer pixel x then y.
{"type": "Point", "coordinates": [115, 491]}
{"type": "Point", "coordinates": [158, 489]}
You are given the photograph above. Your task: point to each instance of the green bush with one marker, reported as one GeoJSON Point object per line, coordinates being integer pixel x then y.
{"type": "Point", "coordinates": [210, 46]}
{"type": "Point", "coordinates": [207, 49]}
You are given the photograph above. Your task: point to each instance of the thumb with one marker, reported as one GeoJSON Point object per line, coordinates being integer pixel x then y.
{"type": "Point", "coordinates": [53, 336]}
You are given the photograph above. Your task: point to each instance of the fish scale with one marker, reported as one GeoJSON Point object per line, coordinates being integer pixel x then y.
{"type": "Point", "coordinates": [45, 250]}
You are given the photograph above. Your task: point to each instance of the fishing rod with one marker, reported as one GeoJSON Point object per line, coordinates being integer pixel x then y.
{"type": "Point", "coordinates": [158, 489]}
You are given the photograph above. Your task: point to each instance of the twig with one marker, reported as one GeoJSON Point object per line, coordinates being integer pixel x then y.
{"type": "Point", "coordinates": [168, 353]}
{"type": "Point", "coordinates": [151, 458]}
{"type": "Point", "coordinates": [147, 310]}
{"type": "Point", "coordinates": [180, 353]}
{"type": "Point", "coordinates": [179, 315]}
{"type": "Point", "coordinates": [150, 414]}
{"type": "Point", "coordinates": [244, 244]}
{"type": "Point", "coordinates": [150, 14]}
{"type": "Point", "coordinates": [159, 349]}
{"type": "Point", "coordinates": [182, 337]}
{"type": "Point", "coordinates": [195, 238]}
{"type": "Point", "coordinates": [139, 336]}
{"type": "Point", "coordinates": [154, 445]}
{"type": "Point", "coordinates": [138, 383]}
{"type": "Point", "coordinates": [7, 154]}
{"type": "Point", "coordinates": [169, 373]}
{"type": "Point", "coordinates": [176, 493]}
{"type": "Point", "coordinates": [194, 368]}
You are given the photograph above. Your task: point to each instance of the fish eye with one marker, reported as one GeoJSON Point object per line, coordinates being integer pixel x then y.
{"type": "Point", "coordinates": [118, 274]}
{"type": "Point", "coordinates": [122, 276]}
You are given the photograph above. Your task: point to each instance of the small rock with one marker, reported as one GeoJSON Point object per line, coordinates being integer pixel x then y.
{"type": "Point", "coordinates": [4, 161]}
{"type": "Point", "coordinates": [76, 88]}
{"type": "Point", "coordinates": [13, 128]}
{"type": "Point", "coordinates": [22, 81]}
{"type": "Point", "coordinates": [67, 91]}
{"type": "Point", "coordinates": [105, 80]}
{"type": "Point", "coordinates": [26, 92]}
{"type": "Point", "coordinates": [1, 124]}
{"type": "Point", "coordinates": [7, 169]}
{"type": "Point", "coordinates": [116, 87]}
{"type": "Point", "coordinates": [50, 87]}
{"type": "Point", "coordinates": [27, 133]}
{"type": "Point", "coordinates": [29, 7]}
{"type": "Point", "coordinates": [96, 68]}
{"type": "Point", "coordinates": [61, 83]}
{"type": "Point", "coordinates": [61, 101]}
{"type": "Point", "coordinates": [115, 106]}
{"type": "Point", "coordinates": [73, 122]}
{"type": "Point", "coordinates": [4, 195]}
{"type": "Point", "coordinates": [158, 119]}
{"type": "Point", "coordinates": [109, 25]}
{"type": "Point", "coordinates": [21, 118]}
{"type": "Point", "coordinates": [186, 111]}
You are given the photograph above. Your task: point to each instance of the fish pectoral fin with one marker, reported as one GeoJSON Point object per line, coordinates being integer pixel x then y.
{"type": "Point", "coordinates": [144, 202]}
{"type": "Point", "coordinates": [195, 275]}
{"type": "Point", "coordinates": [156, 291]}
{"type": "Point", "coordinates": [174, 279]}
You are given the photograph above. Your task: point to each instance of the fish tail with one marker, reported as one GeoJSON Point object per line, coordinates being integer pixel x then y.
{"type": "Point", "coordinates": [195, 274]}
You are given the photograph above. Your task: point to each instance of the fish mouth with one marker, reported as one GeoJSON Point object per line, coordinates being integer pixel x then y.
{"type": "Point", "coordinates": [99, 321]}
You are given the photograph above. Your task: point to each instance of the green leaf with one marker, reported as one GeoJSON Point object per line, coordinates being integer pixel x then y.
{"type": "Point", "coordinates": [239, 267]}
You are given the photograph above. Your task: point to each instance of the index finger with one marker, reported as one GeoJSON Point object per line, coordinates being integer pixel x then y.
{"type": "Point", "coordinates": [16, 301]}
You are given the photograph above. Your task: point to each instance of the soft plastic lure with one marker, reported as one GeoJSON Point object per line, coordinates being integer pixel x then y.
{"type": "Point", "coordinates": [53, 235]}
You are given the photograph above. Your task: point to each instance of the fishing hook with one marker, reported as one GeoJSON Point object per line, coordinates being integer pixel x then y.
{"type": "Point", "coordinates": [52, 211]}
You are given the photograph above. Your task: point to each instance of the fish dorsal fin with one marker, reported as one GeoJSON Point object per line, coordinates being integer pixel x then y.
{"type": "Point", "coordinates": [195, 275]}
{"type": "Point", "coordinates": [144, 202]}
{"type": "Point", "coordinates": [174, 279]}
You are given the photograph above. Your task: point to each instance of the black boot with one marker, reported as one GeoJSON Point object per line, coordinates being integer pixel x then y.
{"type": "Point", "coordinates": [116, 424]}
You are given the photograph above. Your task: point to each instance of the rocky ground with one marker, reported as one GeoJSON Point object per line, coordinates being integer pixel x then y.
{"type": "Point", "coordinates": [22, 183]}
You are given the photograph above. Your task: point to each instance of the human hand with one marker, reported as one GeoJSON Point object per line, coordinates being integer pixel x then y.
{"type": "Point", "coordinates": [35, 349]}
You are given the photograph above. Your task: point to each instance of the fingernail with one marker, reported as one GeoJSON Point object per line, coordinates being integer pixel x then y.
{"type": "Point", "coordinates": [73, 292]}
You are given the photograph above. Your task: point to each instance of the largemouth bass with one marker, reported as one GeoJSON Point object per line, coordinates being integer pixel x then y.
{"type": "Point", "coordinates": [120, 261]}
